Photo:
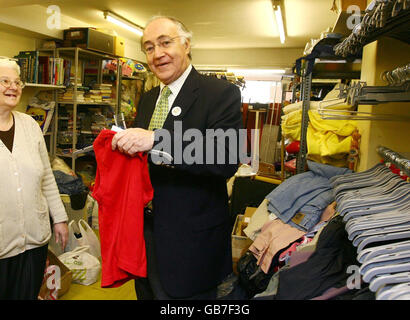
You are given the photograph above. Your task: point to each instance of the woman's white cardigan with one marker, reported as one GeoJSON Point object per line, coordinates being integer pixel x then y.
{"type": "Point", "coordinates": [28, 190]}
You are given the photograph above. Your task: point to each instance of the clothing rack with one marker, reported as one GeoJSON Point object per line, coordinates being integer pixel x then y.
{"type": "Point", "coordinates": [375, 207]}
{"type": "Point", "coordinates": [395, 158]}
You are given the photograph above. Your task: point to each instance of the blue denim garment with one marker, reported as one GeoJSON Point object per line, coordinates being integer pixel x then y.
{"type": "Point", "coordinates": [308, 193]}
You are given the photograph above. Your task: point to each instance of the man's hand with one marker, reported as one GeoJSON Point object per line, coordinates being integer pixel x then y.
{"type": "Point", "coordinates": [133, 140]}
{"type": "Point", "coordinates": [61, 233]}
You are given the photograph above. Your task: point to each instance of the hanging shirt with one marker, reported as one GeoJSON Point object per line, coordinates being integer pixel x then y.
{"type": "Point", "coordinates": [122, 190]}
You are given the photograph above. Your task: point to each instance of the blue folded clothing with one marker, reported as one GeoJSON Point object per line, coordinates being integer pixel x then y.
{"type": "Point", "coordinates": [301, 199]}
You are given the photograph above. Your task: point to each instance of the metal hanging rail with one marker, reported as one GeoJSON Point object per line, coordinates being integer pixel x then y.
{"type": "Point", "coordinates": [395, 158]}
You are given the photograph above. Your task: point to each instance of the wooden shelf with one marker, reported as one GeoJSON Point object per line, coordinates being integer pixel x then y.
{"type": "Point", "coordinates": [42, 85]}
{"type": "Point", "coordinates": [89, 103]}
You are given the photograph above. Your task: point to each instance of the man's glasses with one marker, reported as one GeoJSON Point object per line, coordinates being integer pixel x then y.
{"type": "Point", "coordinates": [163, 43]}
{"type": "Point", "coordinates": [7, 83]}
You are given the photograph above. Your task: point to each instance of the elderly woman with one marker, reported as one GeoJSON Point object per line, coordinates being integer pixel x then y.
{"type": "Point", "coordinates": [28, 195]}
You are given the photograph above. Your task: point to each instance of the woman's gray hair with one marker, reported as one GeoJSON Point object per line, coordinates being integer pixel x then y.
{"type": "Point", "coordinates": [184, 33]}
{"type": "Point", "coordinates": [9, 63]}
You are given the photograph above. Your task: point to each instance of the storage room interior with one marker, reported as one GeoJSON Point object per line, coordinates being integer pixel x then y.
{"type": "Point", "coordinates": [321, 81]}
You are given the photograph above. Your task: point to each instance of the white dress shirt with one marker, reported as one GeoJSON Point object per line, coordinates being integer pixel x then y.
{"type": "Point", "coordinates": [175, 87]}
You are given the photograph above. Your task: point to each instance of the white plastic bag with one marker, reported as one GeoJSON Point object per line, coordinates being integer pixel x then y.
{"type": "Point", "coordinates": [73, 242]}
{"type": "Point", "coordinates": [92, 211]}
{"type": "Point", "coordinates": [84, 266]}
{"type": "Point", "coordinates": [89, 238]}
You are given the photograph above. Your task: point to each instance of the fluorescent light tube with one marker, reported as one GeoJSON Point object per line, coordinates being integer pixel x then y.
{"type": "Point", "coordinates": [279, 22]}
{"type": "Point", "coordinates": [113, 18]}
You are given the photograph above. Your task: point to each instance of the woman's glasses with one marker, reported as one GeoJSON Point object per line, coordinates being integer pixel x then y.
{"type": "Point", "coordinates": [7, 83]}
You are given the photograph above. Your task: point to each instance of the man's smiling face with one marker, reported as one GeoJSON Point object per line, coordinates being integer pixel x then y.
{"type": "Point", "coordinates": [167, 64]}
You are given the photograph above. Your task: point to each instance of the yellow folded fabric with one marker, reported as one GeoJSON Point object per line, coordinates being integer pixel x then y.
{"type": "Point", "coordinates": [339, 127]}
{"type": "Point", "coordinates": [327, 140]}
{"type": "Point", "coordinates": [291, 125]}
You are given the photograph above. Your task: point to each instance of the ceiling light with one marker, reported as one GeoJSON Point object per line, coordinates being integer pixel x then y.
{"type": "Point", "coordinates": [122, 22]}
{"type": "Point", "coordinates": [279, 21]}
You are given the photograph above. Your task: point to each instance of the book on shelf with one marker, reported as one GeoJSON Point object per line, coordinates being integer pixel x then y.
{"type": "Point", "coordinates": [43, 69]}
{"type": "Point", "coordinates": [28, 62]}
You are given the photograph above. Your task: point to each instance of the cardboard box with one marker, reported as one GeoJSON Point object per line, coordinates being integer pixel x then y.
{"type": "Point", "coordinates": [65, 280]}
{"type": "Point", "coordinates": [248, 214]}
{"type": "Point", "coordinates": [119, 44]}
{"type": "Point", "coordinates": [89, 38]}
{"type": "Point", "coordinates": [240, 242]}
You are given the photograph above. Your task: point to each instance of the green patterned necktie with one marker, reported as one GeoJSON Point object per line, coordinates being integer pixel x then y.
{"type": "Point", "coordinates": [161, 110]}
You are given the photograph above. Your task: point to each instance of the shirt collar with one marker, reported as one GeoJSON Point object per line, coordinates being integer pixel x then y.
{"type": "Point", "coordinates": [176, 86]}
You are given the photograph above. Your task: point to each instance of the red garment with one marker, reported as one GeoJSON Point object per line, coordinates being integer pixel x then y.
{"type": "Point", "coordinates": [122, 190]}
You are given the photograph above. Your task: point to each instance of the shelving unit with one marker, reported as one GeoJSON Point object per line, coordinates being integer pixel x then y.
{"type": "Point", "coordinates": [396, 27]}
{"type": "Point", "coordinates": [322, 69]}
{"type": "Point", "coordinates": [44, 86]}
{"type": "Point", "coordinates": [79, 56]}
{"type": "Point", "coordinates": [123, 78]}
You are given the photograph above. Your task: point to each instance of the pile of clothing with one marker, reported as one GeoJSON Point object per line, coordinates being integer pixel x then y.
{"type": "Point", "coordinates": [300, 248]}
{"type": "Point", "coordinates": [328, 141]}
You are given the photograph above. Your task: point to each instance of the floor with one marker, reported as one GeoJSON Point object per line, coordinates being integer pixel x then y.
{"type": "Point", "coordinates": [95, 292]}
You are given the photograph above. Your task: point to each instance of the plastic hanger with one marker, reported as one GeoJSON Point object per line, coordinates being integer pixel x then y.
{"type": "Point", "coordinates": [158, 153]}
{"type": "Point", "coordinates": [394, 292]}
{"type": "Point", "coordinates": [380, 281]}
{"type": "Point", "coordinates": [385, 259]}
{"type": "Point", "coordinates": [380, 208]}
{"type": "Point", "coordinates": [380, 231]}
{"type": "Point", "coordinates": [384, 270]}
{"type": "Point", "coordinates": [382, 291]}
{"type": "Point", "coordinates": [375, 179]}
{"type": "Point", "coordinates": [373, 252]}
{"type": "Point", "coordinates": [391, 197]}
{"type": "Point", "coordinates": [336, 180]}
{"type": "Point", "coordinates": [358, 229]}
{"type": "Point", "coordinates": [372, 218]}
{"type": "Point", "coordinates": [383, 237]}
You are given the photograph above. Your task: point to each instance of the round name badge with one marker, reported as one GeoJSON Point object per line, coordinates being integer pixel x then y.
{"type": "Point", "coordinates": [176, 111]}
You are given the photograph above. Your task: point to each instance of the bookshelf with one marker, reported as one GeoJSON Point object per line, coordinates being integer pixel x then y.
{"type": "Point", "coordinates": [84, 106]}
{"type": "Point", "coordinates": [86, 87]}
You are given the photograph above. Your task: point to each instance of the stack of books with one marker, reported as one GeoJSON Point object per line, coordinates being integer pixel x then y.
{"type": "Point", "coordinates": [67, 95]}
{"type": "Point", "coordinates": [102, 92]}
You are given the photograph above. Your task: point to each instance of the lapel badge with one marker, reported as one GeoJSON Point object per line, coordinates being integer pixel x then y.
{"type": "Point", "coordinates": [176, 111]}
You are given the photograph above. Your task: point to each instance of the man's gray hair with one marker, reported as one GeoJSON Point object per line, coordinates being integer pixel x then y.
{"type": "Point", "coordinates": [184, 33]}
{"type": "Point", "coordinates": [9, 63]}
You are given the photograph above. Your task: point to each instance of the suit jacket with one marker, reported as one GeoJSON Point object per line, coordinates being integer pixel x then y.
{"type": "Point", "coordinates": [192, 228]}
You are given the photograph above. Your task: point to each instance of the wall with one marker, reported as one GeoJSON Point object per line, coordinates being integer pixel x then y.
{"type": "Point", "coordinates": [253, 58]}
{"type": "Point", "coordinates": [383, 55]}
{"type": "Point", "coordinates": [10, 45]}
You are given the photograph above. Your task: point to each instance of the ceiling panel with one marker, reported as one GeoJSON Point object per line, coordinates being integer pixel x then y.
{"type": "Point", "coordinates": [215, 23]}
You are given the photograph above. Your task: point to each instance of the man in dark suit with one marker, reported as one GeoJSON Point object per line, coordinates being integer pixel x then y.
{"type": "Point", "coordinates": [188, 235]}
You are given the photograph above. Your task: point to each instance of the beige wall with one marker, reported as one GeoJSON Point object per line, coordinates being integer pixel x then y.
{"type": "Point", "coordinates": [10, 45]}
{"type": "Point", "coordinates": [251, 58]}
{"type": "Point", "coordinates": [383, 55]}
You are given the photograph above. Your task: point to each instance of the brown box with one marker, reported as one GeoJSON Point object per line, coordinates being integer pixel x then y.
{"type": "Point", "coordinates": [89, 38]}
{"type": "Point", "coordinates": [362, 4]}
{"type": "Point", "coordinates": [119, 44]}
{"type": "Point", "coordinates": [248, 214]}
{"type": "Point", "coordinates": [240, 242]}
{"type": "Point", "coordinates": [66, 277]}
